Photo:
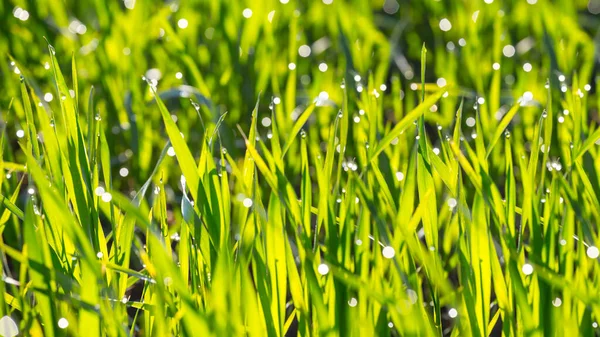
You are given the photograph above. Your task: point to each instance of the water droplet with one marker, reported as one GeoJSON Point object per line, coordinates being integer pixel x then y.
{"type": "Point", "coordinates": [182, 23]}
{"type": "Point", "coordinates": [388, 252]}
{"type": "Point", "coordinates": [527, 269]}
{"type": "Point", "coordinates": [304, 50]}
{"type": "Point", "coordinates": [8, 327]}
{"type": "Point", "coordinates": [452, 313]}
{"type": "Point", "coordinates": [445, 25]}
{"type": "Point", "coordinates": [303, 133]}
{"type": "Point", "coordinates": [593, 252]}
{"type": "Point", "coordinates": [323, 269]}
{"type": "Point", "coordinates": [106, 197]}
{"type": "Point", "coordinates": [470, 122]}
{"type": "Point", "coordinates": [98, 117]}
{"type": "Point", "coordinates": [557, 302]}
{"type": "Point", "coordinates": [63, 323]}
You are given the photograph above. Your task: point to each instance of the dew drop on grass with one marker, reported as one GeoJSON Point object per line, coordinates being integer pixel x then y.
{"type": "Point", "coordinates": [353, 302]}
{"type": "Point", "coordinates": [302, 133]}
{"type": "Point", "coordinates": [470, 122]}
{"type": "Point", "coordinates": [508, 50]}
{"type": "Point", "coordinates": [304, 50]}
{"type": "Point", "coordinates": [390, 325]}
{"type": "Point", "coordinates": [20, 133]}
{"type": "Point", "coordinates": [388, 252]}
{"type": "Point", "coordinates": [182, 23]}
{"type": "Point", "coordinates": [247, 202]}
{"type": "Point", "coordinates": [99, 190]}
{"type": "Point", "coordinates": [592, 252]}
{"type": "Point", "coordinates": [412, 296]}
{"type": "Point", "coordinates": [527, 269]}
{"type": "Point", "coordinates": [8, 327]}
{"type": "Point", "coordinates": [98, 117]}
{"type": "Point", "coordinates": [452, 313]}
{"type": "Point", "coordinates": [445, 25]}
{"type": "Point", "coordinates": [99, 255]}
{"type": "Point", "coordinates": [323, 269]}
{"type": "Point", "coordinates": [358, 242]}
{"type": "Point", "coordinates": [557, 302]}
{"type": "Point", "coordinates": [171, 151]}
{"type": "Point", "coordinates": [106, 197]}
{"type": "Point", "coordinates": [63, 323]}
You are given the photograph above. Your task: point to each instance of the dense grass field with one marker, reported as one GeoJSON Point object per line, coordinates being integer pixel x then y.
{"type": "Point", "coordinates": [299, 168]}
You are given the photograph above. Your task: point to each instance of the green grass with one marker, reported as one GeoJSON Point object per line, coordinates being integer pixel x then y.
{"type": "Point", "coordinates": [181, 168]}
